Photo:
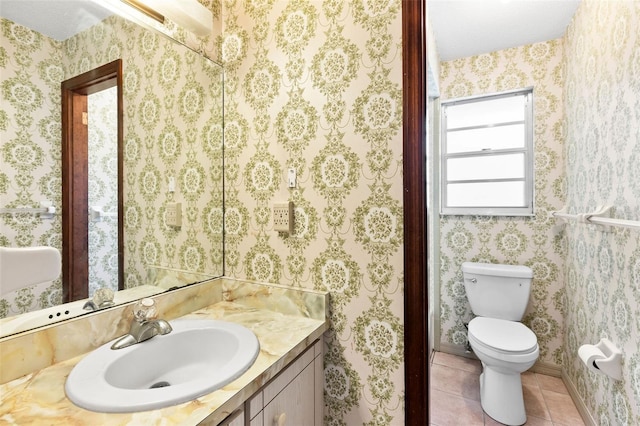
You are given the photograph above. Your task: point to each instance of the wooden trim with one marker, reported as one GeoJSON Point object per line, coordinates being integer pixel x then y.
{"type": "Point", "coordinates": [416, 359]}
{"type": "Point", "coordinates": [75, 212]}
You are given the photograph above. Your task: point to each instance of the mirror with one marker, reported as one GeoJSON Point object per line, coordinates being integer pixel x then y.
{"type": "Point", "coordinates": [92, 123]}
{"type": "Point", "coordinates": [171, 153]}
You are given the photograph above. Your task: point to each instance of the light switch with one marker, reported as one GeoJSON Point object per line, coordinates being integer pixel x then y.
{"type": "Point", "coordinates": [291, 178]}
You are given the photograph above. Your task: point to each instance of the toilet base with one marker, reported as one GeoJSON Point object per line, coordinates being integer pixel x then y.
{"type": "Point", "coordinates": [501, 396]}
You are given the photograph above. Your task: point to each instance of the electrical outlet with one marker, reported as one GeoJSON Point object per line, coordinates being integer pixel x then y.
{"type": "Point", "coordinates": [174, 214]}
{"type": "Point", "coordinates": [283, 217]}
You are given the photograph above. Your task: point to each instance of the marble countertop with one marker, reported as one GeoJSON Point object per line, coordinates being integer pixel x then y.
{"type": "Point", "coordinates": [39, 397]}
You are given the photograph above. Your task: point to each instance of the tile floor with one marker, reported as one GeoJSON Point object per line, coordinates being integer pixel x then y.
{"type": "Point", "coordinates": [455, 396]}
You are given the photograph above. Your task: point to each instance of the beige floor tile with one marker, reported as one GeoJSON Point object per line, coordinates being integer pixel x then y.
{"type": "Point", "coordinates": [452, 410]}
{"type": "Point", "coordinates": [458, 362]}
{"type": "Point", "coordinates": [534, 404]}
{"type": "Point", "coordinates": [529, 378]}
{"type": "Point", "coordinates": [562, 409]}
{"type": "Point", "coordinates": [531, 421]}
{"type": "Point", "coordinates": [454, 381]}
{"type": "Point", "coordinates": [551, 383]}
{"type": "Point", "coordinates": [537, 421]}
{"type": "Point", "coordinates": [455, 396]}
{"type": "Point", "coordinates": [488, 421]}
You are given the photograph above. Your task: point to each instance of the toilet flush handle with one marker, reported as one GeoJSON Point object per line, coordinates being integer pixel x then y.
{"type": "Point", "coordinates": [473, 280]}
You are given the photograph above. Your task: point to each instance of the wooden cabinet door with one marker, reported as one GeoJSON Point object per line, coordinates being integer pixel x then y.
{"type": "Point", "coordinates": [235, 419]}
{"type": "Point", "coordinates": [294, 405]}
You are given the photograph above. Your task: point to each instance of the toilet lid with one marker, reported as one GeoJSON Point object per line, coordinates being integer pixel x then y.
{"type": "Point", "coordinates": [503, 335]}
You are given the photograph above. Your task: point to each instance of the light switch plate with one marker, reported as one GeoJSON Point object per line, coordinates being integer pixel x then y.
{"type": "Point", "coordinates": [174, 214]}
{"type": "Point", "coordinates": [283, 217]}
{"type": "Point", "coordinates": [292, 178]}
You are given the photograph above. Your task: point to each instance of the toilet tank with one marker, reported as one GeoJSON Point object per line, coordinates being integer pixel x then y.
{"type": "Point", "coordinates": [497, 291]}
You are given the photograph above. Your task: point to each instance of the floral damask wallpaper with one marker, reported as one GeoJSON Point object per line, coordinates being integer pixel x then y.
{"type": "Point", "coordinates": [316, 86]}
{"type": "Point", "coordinates": [103, 189]}
{"type": "Point", "coordinates": [30, 151]}
{"type": "Point", "coordinates": [166, 89]}
{"type": "Point", "coordinates": [602, 274]}
{"type": "Point", "coordinates": [587, 135]}
{"type": "Point", "coordinates": [532, 241]}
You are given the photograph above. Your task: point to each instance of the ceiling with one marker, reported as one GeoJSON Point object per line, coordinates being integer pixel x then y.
{"type": "Point", "coordinates": [462, 28]}
{"type": "Point", "coordinates": [46, 16]}
{"type": "Point", "coordinates": [465, 28]}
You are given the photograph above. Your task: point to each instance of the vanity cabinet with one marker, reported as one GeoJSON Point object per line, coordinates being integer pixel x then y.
{"type": "Point", "coordinates": [235, 419]}
{"type": "Point", "coordinates": [292, 398]}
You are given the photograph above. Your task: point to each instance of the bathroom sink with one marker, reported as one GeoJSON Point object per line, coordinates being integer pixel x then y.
{"type": "Point", "coordinates": [196, 358]}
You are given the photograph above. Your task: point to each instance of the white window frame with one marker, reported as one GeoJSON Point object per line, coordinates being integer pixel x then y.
{"type": "Point", "coordinates": [527, 209]}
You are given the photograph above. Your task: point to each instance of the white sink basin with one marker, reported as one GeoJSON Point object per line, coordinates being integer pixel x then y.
{"type": "Point", "coordinates": [196, 358]}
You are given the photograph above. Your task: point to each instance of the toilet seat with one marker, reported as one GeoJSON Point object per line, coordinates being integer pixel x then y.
{"type": "Point", "coordinates": [503, 339]}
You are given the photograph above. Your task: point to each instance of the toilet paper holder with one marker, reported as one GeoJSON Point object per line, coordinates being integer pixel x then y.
{"type": "Point", "coordinates": [604, 358]}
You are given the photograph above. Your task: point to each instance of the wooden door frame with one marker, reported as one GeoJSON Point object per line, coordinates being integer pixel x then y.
{"type": "Point", "coordinates": [416, 350]}
{"type": "Point", "coordinates": [75, 206]}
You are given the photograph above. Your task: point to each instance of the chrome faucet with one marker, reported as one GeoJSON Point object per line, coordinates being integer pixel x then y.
{"type": "Point", "coordinates": [102, 298]}
{"type": "Point", "coordinates": [90, 305]}
{"type": "Point", "coordinates": [143, 326]}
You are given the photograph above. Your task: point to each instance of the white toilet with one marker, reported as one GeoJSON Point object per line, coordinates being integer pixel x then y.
{"type": "Point", "coordinates": [498, 295]}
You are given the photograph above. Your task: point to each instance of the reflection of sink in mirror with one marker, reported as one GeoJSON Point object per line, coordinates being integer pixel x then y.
{"type": "Point", "coordinates": [54, 314]}
{"type": "Point", "coordinates": [196, 358]}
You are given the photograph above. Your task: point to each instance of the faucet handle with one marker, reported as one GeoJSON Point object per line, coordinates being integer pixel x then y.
{"type": "Point", "coordinates": [145, 310]}
{"type": "Point", "coordinates": [103, 297]}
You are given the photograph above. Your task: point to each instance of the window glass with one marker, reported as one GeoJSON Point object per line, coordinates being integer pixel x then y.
{"type": "Point", "coordinates": [486, 167]}
{"type": "Point", "coordinates": [486, 194]}
{"type": "Point", "coordinates": [487, 154]}
{"type": "Point", "coordinates": [486, 112]}
{"type": "Point", "coordinates": [478, 139]}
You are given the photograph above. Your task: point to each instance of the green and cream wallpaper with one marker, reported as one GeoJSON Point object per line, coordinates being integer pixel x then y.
{"type": "Point", "coordinates": [173, 128]}
{"type": "Point", "coordinates": [30, 153]}
{"type": "Point", "coordinates": [532, 241]}
{"type": "Point", "coordinates": [602, 151]}
{"type": "Point", "coordinates": [316, 86]}
{"type": "Point", "coordinates": [587, 143]}
{"type": "Point", "coordinates": [102, 143]}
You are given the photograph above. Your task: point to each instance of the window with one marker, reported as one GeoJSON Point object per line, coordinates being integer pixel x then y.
{"type": "Point", "coordinates": [487, 155]}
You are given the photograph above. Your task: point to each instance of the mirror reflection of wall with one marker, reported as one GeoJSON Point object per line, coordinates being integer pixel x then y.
{"type": "Point", "coordinates": [103, 190]}
{"type": "Point", "coordinates": [173, 128]}
{"type": "Point", "coordinates": [30, 136]}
